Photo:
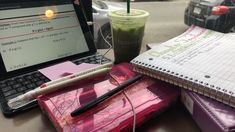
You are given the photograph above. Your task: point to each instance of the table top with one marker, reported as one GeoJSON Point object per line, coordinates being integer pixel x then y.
{"type": "Point", "coordinates": [159, 28]}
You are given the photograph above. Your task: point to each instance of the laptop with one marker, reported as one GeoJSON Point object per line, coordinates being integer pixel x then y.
{"type": "Point", "coordinates": [35, 34]}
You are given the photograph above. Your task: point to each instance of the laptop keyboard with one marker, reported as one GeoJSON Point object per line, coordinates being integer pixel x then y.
{"type": "Point", "coordinates": [94, 59]}
{"type": "Point", "coordinates": [16, 86]}
{"type": "Point", "coordinates": [13, 87]}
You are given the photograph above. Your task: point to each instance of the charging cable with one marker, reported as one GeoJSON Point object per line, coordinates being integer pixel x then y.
{"type": "Point", "coordinates": [92, 23]}
{"type": "Point", "coordinates": [102, 35]}
{"type": "Point", "coordinates": [133, 110]}
{"type": "Point", "coordinates": [132, 106]}
{"type": "Point", "coordinates": [110, 47]}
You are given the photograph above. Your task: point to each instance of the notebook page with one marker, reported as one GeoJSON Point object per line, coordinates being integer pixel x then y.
{"type": "Point", "coordinates": [204, 55]}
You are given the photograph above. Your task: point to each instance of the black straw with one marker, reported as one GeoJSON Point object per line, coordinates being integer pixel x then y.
{"type": "Point", "coordinates": [128, 6]}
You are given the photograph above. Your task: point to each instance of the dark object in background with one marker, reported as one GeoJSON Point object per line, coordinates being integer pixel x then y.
{"type": "Point", "coordinates": [87, 6]}
{"type": "Point", "coordinates": [218, 15]}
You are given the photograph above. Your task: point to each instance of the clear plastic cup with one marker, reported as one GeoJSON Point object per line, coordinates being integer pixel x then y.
{"type": "Point", "coordinates": [127, 33]}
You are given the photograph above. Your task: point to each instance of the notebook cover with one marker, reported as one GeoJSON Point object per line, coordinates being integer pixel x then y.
{"type": "Point", "coordinates": [147, 95]}
{"type": "Point", "coordinates": [210, 115]}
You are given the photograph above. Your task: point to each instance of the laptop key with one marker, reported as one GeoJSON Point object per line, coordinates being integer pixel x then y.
{"type": "Point", "coordinates": [98, 57]}
{"type": "Point", "coordinates": [35, 79]}
{"type": "Point", "coordinates": [37, 74]}
{"type": "Point", "coordinates": [13, 96]}
{"type": "Point", "coordinates": [16, 86]}
{"type": "Point", "coordinates": [26, 82]}
{"type": "Point", "coordinates": [28, 77]}
{"type": "Point", "coordinates": [86, 61]}
{"type": "Point", "coordinates": [46, 80]}
{"type": "Point", "coordinates": [92, 59]}
{"type": "Point", "coordinates": [106, 61]}
{"type": "Point", "coordinates": [93, 62]}
{"type": "Point", "coordinates": [6, 88]}
{"type": "Point", "coordinates": [31, 86]}
{"type": "Point", "coordinates": [2, 85]}
{"type": "Point", "coordinates": [20, 80]}
{"type": "Point", "coordinates": [21, 89]}
{"type": "Point", "coordinates": [42, 77]}
{"type": "Point", "coordinates": [39, 83]}
{"type": "Point", "coordinates": [11, 83]}
{"type": "Point", "coordinates": [97, 61]}
{"type": "Point", "coordinates": [11, 92]}
{"type": "Point", "coordinates": [78, 62]}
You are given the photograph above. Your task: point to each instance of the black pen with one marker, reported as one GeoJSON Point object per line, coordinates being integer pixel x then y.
{"type": "Point", "coordinates": [93, 103]}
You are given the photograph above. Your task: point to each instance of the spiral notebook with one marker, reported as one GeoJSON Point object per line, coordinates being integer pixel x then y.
{"type": "Point", "coordinates": [200, 60]}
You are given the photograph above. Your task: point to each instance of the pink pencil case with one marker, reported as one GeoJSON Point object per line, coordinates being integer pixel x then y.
{"type": "Point", "coordinates": [148, 96]}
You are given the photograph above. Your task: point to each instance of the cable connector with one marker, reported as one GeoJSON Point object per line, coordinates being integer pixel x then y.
{"type": "Point", "coordinates": [89, 23]}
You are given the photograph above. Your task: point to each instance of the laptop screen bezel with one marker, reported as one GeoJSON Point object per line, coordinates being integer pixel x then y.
{"type": "Point", "coordinates": [87, 34]}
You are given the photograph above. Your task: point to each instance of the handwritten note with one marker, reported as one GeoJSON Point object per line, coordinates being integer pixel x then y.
{"type": "Point", "coordinates": [188, 45]}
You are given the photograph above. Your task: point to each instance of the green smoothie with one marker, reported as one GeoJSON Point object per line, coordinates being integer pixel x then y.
{"type": "Point", "coordinates": [127, 33]}
{"type": "Point", "coordinates": [127, 43]}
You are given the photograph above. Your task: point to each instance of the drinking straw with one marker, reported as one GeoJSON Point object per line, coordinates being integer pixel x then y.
{"type": "Point", "coordinates": [128, 6]}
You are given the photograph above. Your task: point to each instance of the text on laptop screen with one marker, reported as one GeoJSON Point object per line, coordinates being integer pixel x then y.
{"type": "Point", "coordinates": [29, 36]}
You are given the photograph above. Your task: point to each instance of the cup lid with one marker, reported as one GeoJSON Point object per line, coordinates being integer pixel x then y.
{"type": "Point", "coordinates": [134, 13]}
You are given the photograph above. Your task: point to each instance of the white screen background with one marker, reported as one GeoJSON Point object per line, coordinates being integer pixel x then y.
{"type": "Point", "coordinates": [26, 41]}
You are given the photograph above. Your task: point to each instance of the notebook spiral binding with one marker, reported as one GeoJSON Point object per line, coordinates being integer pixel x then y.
{"type": "Point", "coordinates": [198, 86]}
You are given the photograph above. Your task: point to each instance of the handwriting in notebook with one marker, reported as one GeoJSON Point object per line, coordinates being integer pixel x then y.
{"type": "Point", "coordinates": [187, 46]}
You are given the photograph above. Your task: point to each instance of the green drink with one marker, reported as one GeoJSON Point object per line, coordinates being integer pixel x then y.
{"type": "Point", "coordinates": [127, 33]}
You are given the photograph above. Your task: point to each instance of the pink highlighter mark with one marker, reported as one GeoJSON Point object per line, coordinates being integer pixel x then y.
{"type": "Point", "coordinates": [64, 69]}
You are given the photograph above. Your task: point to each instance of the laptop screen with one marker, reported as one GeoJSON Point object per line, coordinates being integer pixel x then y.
{"type": "Point", "coordinates": [40, 32]}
